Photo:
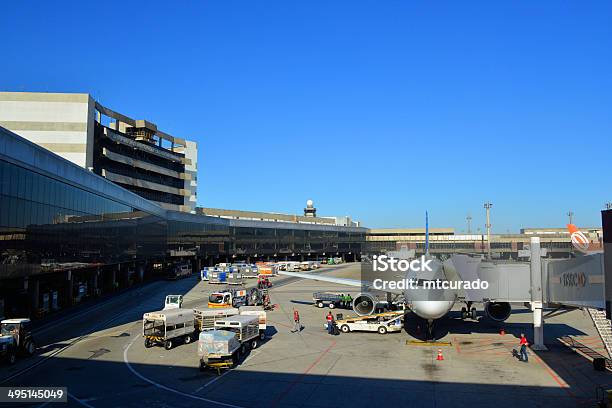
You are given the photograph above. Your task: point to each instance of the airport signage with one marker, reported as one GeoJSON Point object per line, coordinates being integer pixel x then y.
{"type": "Point", "coordinates": [574, 282]}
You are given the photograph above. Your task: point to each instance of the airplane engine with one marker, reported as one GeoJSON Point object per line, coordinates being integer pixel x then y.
{"type": "Point", "coordinates": [498, 311]}
{"type": "Point", "coordinates": [364, 304]}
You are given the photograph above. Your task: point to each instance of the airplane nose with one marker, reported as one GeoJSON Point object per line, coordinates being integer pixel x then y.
{"type": "Point", "coordinates": [431, 309]}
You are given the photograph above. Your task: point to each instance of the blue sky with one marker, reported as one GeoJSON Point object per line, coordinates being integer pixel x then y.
{"type": "Point", "coordinates": [380, 110]}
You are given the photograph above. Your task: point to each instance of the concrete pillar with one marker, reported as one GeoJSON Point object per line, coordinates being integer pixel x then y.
{"type": "Point", "coordinates": [34, 289]}
{"type": "Point", "coordinates": [69, 289]}
{"type": "Point", "coordinates": [536, 295]}
{"type": "Point", "coordinates": [113, 280]}
{"type": "Point", "coordinates": [94, 283]}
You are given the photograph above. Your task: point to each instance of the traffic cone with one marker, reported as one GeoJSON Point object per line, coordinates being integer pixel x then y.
{"type": "Point", "coordinates": [440, 356]}
{"type": "Point", "coordinates": [502, 332]}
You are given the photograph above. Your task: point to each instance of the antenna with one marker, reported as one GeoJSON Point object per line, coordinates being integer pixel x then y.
{"type": "Point", "coordinates": [426, 233]}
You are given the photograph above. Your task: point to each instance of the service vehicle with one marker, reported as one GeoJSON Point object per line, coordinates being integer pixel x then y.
{"type": "Point", "coordinates": [306, 265]}
{"type": "Point", "coordinates": [261, 313]}
{"type": "Point", "coordinates": [179, 270]}
{"type": "Point", "coordinates": [234, 297]}
{"type": "Point", "coordinates": [16, 338]}
{"type": "Point", "coordinates": [167, 327]}
{"type": "Point", "coordinates": [173, 302]}
{"type": "Point", "coordinates": [250, 271]}
{"type": "Point", "coordinates": [382, 323]}
{"type": "Point", "coordinates": [217, 276]}
{"type": "Point", "coordinates": [234, 276]}
{"type": "Point", "coordinates": [263, 281]}
{"type": "Point", "coordinates": [293, 267]}
{"type": "Point", "coordinates": [270, 270]}
{"type": "Point", "coordinates": [231, 338]}
{"type": "Point", "coordinates": [329, 299]}
{"type": "Point", "coordinates": [205, 318]}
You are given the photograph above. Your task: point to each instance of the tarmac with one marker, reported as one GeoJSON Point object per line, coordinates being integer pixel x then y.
{"type": "Point", "coordinates": [97, 352]}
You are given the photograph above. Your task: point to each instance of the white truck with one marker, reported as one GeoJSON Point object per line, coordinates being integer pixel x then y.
{"type": "Point", "coordinates": [293, 266]}
{"type": "Point", "coordinates": [205, 318]}
{"type": "Point", "coordinates": [173, 302]}
{"type": "Point", "coordinates": [231, 338]}
{"type": "Point", "coordinates": [166, 327]}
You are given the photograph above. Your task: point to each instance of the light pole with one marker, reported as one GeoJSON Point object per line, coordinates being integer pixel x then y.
{"type": "Point", "coordinates": [469, 223]}
{"type": "Point", "coordinates": [570, 214]}
{"type": "Point", "coordinates": [487, 207]}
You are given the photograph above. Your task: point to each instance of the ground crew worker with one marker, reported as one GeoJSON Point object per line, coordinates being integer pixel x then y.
{"type": "Point", "coordinates": [523, 343]}
{"type": "Point", "coordinates": [349, 300]}
{"type": "Point", "coordinates": [296, 321]}
{"type": "Point", "coordinates": [342, 300]}
{"type": "Point", "coordinates": [330, 323]}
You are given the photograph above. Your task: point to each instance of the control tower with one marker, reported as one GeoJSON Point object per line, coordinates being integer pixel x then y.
{"type": "Point", "coordinates": [310, 210]}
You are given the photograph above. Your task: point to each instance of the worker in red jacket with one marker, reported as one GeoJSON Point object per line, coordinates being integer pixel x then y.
{"type": "Point", "coordinates": [330, 323]}
{"type": "Point", "coordinates": [523, 343]}
{"type": "Point", "coordinates": [296, 322]}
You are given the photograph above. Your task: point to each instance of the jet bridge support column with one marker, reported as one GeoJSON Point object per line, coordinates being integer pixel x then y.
{"type": "Point", "coordinates": [536, 295]}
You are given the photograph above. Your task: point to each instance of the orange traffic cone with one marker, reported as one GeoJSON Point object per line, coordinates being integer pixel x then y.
{"type": "Point", "coordinates": [440, 356]}
{"type": "Point", "coordinates": [502, 332]}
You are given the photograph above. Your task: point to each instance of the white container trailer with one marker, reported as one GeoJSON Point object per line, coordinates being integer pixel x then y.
{"type": "Point", "coordinates": [231, 338]}
{"type": "Point", "coordinates": [167, 327]}
{"type": "Point", "coordinates": [260, 313]}
{"type": "Point", "coordinates": [205, 318]}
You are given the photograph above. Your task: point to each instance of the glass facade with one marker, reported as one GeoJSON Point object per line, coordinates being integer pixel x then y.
{"type": "Point", "coordinates": [48, 225]}
{"type": "Point", "coordinates": [66, 234]}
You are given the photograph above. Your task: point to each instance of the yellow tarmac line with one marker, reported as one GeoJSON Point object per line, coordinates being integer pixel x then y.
{"type": "Point", "coordinates": [429, 343]}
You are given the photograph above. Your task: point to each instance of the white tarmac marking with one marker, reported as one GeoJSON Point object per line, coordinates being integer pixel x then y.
{"type": "Point", "coordinates": [80, 401]}
{"type": "Point", "coordinates": [212, 381]}
{"type": "Point", "coordinates": [166, 388]}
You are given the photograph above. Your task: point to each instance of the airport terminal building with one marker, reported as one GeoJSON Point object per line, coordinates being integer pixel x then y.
{"type": "Point", "coordinates": [67, 233]}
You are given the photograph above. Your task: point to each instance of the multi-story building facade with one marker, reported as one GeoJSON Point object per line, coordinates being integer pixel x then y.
{"type": "Point", "coordinates": [132, 153]}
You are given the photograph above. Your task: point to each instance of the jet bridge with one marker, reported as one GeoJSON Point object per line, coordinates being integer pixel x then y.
{"type": "Point", "coordinates": [577, 282]}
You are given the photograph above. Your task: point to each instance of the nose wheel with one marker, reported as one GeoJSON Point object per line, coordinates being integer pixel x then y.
{"type": "Point", "coordinates": [468, 312]}
{"type": "Point", "coordinates": [430, 335]}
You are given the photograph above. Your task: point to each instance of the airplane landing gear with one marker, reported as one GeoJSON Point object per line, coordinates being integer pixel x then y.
{"type": "Point", "coordinates": [469, 312]}
{"type": "Point", "coordinates": [430, 335]}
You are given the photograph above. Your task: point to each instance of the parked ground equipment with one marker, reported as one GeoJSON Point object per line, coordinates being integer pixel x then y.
{"type": "Point", "coordinates": [260, 313]}
{"type": "Point", "coordinates": [382, 323]}
{"type": "Point", "coordinates": [16, 338]}
{"type": "Point", "coordinates": [217, 275]}
{"type": "Point", "coordinates": [263, 282]}
{"type": "Point", "coordinates": [204, 318]}
{"type": "Point", "coordinates": [173, 302]}
{"type": "Point", "coordinates": [231, 338]}
{"type": "Point", "coordinates": [329, 299]}
{"type": "Point", "coordinates": [167, 327]}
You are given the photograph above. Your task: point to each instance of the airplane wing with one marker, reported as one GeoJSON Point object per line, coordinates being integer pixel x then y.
{"type": "Point", "coordinates": [364, 285]}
